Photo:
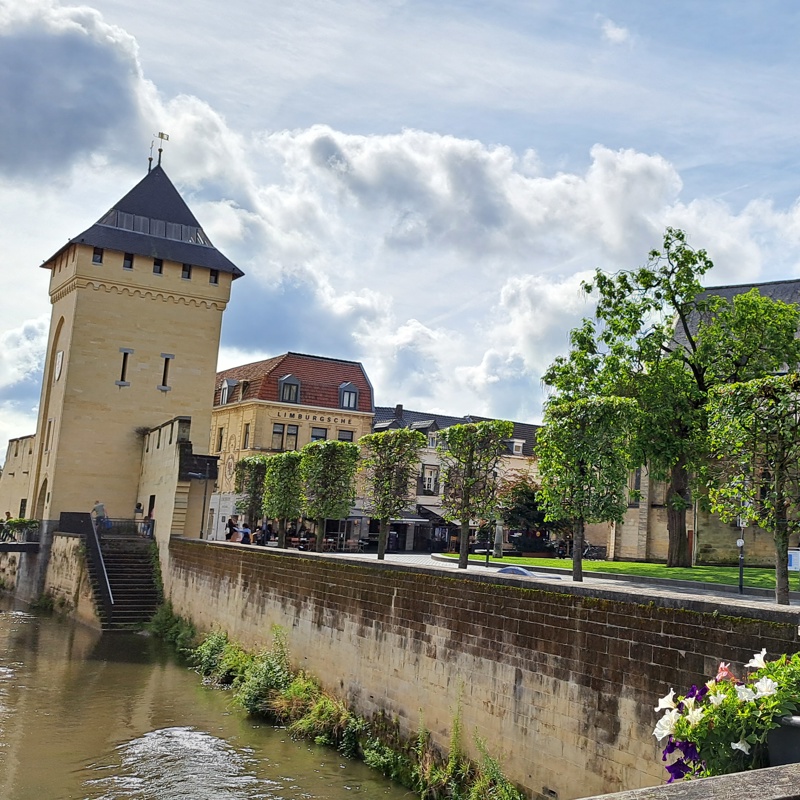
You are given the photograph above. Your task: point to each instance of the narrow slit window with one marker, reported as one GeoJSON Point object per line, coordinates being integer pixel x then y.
{"type": "Point", "coordinates": [123, 369]}
{"type": "Point", "coordinates": [246, 437]}
{"type": "Point", "coordinates": [97, 255]}
{"type": "Point", "coordinates": [127, 261]}
{"type": "Point", "coordinates": [165, 387]}
{"type": "Point", "coordinates": [186, 272]}
{"type": "Point", "coordinates": [158, 266]}
{"type": "Point", "coordinates": [213, 276]}
{"type": "Point", "coordinates": [220, 437]}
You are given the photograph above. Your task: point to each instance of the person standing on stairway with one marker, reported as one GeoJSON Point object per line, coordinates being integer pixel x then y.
{"type": "Point", "coordinates": [99, 513]}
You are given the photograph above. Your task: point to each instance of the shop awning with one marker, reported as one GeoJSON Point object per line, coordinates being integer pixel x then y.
{"type": "Point", "coordinates": [431, 514]}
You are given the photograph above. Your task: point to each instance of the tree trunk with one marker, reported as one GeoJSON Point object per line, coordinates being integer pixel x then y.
{"type": "Point", "coordinates": [498, 541]}
{"type": "Point", "coordinates": [678, 554]}
{"type": "Point", "coordinates": [282, 533]}
{"type": "Point", "coordinates": [577, 550]}
{"type": "Point", "coordinates": [463, 545]}
{"type": "Point", "coordinates": [320, 533]}
{"type": "Point", "coordinates": [781, 537]}
{"type": "Point", "coordinates": [383, 537]}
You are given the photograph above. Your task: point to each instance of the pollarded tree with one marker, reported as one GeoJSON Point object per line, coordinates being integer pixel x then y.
{"type": "Point", "coordinates": [659, 338]}
{"type": "Point", "coordinates": [250, 473]}
{"type": "Point", "coordinates": [283, 490]}
{"type": "Point", "coordinates": [470, 455]}
{"type": "Point", "coordinates": [584, 453]}
{"type": "Point", "coordinates": [329, 477]}
{"type": "Point", "coordinates": [390, 467]}
{"type": "Point", "coordinates": [754, 440]}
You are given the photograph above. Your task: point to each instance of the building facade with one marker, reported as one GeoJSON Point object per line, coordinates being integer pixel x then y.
{"type": "Point", "coordinates": [423, 527]}
{"type": "Point", "coordinates": [281, 404]}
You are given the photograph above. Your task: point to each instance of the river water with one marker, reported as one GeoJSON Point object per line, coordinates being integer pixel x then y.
{"type": "Point", "coordinates": [116, 717]}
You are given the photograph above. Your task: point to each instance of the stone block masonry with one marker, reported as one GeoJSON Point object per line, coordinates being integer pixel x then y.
{"type": "Point", "coordinates": [559, 679]}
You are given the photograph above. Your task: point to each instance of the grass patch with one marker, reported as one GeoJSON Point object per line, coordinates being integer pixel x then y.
{"type": "Point", "coordinates": [759, 577]}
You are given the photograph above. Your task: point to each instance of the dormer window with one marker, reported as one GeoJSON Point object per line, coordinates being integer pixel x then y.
{"type": "Point", "coordinates": [226, 391]}
{"type": "Point", "coordinates": [433, 440]}
{"type": "Point", "coordinates": [348, 396]}
{"type": "Point", "coordinates": [517, 447]}
{"type": "Point", "coordinates": [289, 389]}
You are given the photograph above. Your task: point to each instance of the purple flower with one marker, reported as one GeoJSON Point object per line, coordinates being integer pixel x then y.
{"type": "Point", "coordinates": [689, 750]}
{"type": "Point", "coordinates": [678, 770]}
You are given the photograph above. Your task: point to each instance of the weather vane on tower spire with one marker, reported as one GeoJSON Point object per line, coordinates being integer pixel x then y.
{"type": "Point", "coordinates": [164, 138]}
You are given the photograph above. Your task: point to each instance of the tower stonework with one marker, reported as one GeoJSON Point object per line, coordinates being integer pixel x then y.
{"type": "Point", "coordinates": [134, 335]}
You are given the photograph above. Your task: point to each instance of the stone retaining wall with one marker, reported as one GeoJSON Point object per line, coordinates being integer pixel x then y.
{"type": "Point", "coordinates": [559, 679]}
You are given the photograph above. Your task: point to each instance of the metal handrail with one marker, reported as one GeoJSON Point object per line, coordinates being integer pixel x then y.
{"type": "Point", "coordinates": [97, 551]}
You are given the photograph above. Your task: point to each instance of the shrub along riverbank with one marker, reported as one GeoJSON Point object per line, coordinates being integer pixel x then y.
{"type": "Point", "coordinates": [265, 685]}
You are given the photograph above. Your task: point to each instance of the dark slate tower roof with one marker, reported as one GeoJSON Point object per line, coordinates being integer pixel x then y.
{"type": "Point", "coordinates": [153, 220]}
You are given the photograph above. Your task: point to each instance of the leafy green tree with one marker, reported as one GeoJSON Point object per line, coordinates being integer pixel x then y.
{"type": "Point", "coordinates": [390, 466]}
{"type": "Point", "coordinates": [283, 490]}
{"type": "Point", "coordinates": [517, 502]}
{"type": "Point", "coordinates": [659, 338]}
{"type": "Point", "coordinates": [754, 441]}
{"type": "Point", "coordinates": [329, 475]}
{"type": "Point", "coordinates": [249, 481]}
{"type": "Point", "coordinates": [470, 455]}
{"type": "Point", "coordinates": [584, 458]}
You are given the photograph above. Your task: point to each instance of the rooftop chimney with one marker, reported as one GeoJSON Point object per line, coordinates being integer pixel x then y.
{"type": "Point", "coordinates": [398, 411]}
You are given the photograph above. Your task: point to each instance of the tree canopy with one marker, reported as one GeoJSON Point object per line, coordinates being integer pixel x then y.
{"type": "Point", "coordinates": [249, 482]}
{"type": "Point", "coordinates": [584, 459]}
{"type": "Point", "coordinates": [754, 442]}
{"type": "Point", "coordinates": [470, 455]}
{"type": "Point", "coordinates": [283, 490]}
{"type": "Point", "coordinates": [328, 469]}
{"type": "Point", "coordinates": [517, 502]}
{"type": "Point", "coordinates": [659, 338]}
{"type": "Point", "coordinates": [390, 467]}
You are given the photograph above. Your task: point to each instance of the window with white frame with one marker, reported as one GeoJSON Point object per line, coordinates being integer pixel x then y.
{"type": "Point", "coordinates": [348, 396]}
{"type": "Point", "coordinates": [289, 389]}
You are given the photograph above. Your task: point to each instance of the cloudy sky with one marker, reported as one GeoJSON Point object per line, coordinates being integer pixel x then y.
{"type": "Point", "coordinates": [420, 186]}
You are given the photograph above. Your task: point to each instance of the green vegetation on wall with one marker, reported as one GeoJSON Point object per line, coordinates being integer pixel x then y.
{"type": "Point", "coordinates": [265, 685]}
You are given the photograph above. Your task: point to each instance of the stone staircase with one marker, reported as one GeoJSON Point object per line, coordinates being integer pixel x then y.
{"type": "Point", "coordinates": [132, 580]}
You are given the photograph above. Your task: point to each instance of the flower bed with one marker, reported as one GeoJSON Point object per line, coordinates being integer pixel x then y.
{"type": "Point", "coordinates": [722, 726]}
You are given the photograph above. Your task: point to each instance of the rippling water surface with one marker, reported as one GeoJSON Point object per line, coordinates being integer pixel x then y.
{"type": "Point", "coordinates": [116, 718]}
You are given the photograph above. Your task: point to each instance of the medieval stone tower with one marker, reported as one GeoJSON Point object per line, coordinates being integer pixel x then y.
{"type": "Point", "coordinates": [134, 334]}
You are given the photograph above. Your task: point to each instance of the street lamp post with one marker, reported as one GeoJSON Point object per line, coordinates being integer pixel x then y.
{"type": "Point", "coordinates": [204, 478]}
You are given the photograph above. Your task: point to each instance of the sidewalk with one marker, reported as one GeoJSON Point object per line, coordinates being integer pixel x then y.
{"type": "Point", "coordinates": [635, 584]}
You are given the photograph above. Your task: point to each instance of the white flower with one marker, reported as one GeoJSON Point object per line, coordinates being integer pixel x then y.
{"type": "Point", "coordinates": [694, 716]}
{"type": "Point", "coordinates": [688, 702]}
{"type": "Point", "coordinates": [716, 698]}
{"type": "Point", "coordinates": [667, 701]}
{"type": "Point", "coordinates": [765, 687]}
{"type": "Point", "coordinates": [666, 725]}
{"type": "Point", "coordinates": [757, 661]}
{"type": "Point", "coordinates": [745, 693]}
{"type": "Point", "coordinates": [741, 745]}
{"type": "Point", "coordinates": [711, 684]}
